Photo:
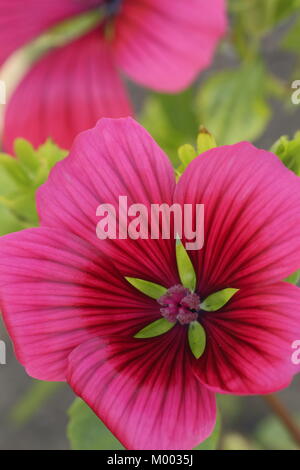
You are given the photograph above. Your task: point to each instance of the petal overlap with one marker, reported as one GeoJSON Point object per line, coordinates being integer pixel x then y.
{"type": "Point", "coordinates": [144, 390]}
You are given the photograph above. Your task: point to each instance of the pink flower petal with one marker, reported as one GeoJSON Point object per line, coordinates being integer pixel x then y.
{"type": "Point", "coordinates": [66, 92]}
{"type": "Point", "coordinates": [144, 390]}
{"type": "Point", "coordinates": [56, 292]}
{"type": "Point", "coordinates": [20, 21]}
{"type": "Point", "coordinates": [116, 158]}
{"type": "Point", "coordinates": [252, 217]}
{"type": "Point", "coordinates": [164, 46]}
{"type": "Point", "coordinates": [250, 341]}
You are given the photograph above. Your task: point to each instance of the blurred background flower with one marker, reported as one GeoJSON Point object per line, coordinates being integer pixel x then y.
{"type": "Point", "coordinates": [75, 75]}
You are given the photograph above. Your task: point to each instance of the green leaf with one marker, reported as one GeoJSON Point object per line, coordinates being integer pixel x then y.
{"type": "Point", "coordinates": [171, 120]}
{"type": "Point", "coordinates": [277, 88]}
{"type": "Point", "coordinates": [185, 267]}
{"type": "Point", "coordinates": [271, 434]}
{"type": "Point", "coordinates": [258, 17]}
{"type": "Point", "coordinates": [197, 339]}
{"type": "Point", "coordinates": [149, 288]}
{"type": "Point", "coordinates": [212, 442]}
{"type": "Point", "coordinates": [86, 432]}
{"type": "Point", "coordinates": [35, 397]}
{"type": "Point", "coordinates": [216, 301]}
{"type": "Point", "coordinates": [156, 328]}
{"type": "Point", "coordinates": [289, 152]}
{"type": "Point", "coordinates": [232, 103]}
{"type": "Point", "coordinates": [291, 40]}
{"type": "Point", "coordinates": [230, 406]}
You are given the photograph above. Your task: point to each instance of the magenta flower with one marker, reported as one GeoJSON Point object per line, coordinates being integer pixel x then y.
{"type": "Point", "coordinates": [155, 43]}
{"type": "Point", "coordinates": [73, 316]}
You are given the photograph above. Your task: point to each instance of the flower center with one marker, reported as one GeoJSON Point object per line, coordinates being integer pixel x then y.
{"type": "Point", "coordinates": [180, 304]}
{"type": "Point", "coordinates": [113, 6]}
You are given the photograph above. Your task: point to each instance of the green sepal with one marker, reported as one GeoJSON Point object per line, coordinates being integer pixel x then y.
{"type": "Point", "coordinates": [185, 267]}
{"type": "Point", "coordinates": [186, 154]}
{"type": "Point", "coordinates": [288, 150]}
{"type": "Point", "coordinates": [217, 300]}
{"type": "Point", "coordinates": [149, 288]}
{"type": "Point", "coordinates": [293, 278]}
{"type": "Point", "coordinates": [156, 328]}
{"type": "Point", "coordinates": [197, 339]}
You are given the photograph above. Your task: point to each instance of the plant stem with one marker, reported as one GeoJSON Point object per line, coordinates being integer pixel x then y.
{"type": "Point", "coordinates": [284, 416]}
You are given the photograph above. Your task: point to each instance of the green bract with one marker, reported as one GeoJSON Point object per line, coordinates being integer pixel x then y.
{"type": "Point", "coordinates": [149, 288]}
{"type": "Point", "coordinates": [288, 150]}
{"type": "Point", "coordinates": [197, 339]}
{"type": "Point", "coordinates": [157, 328]}
{"type": "Point", "coordinates": [293, 278]}
{"type": "Point", "coordinates": [185, 267]}
{"type": "Point", "coordinates": [20, 177]}
{"type": "Point", "coordinates": [187, 153]}
{"type": "Point", "coordinates": [205, 141]}
{"type": "Point", "coordinates": [217, 300]}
